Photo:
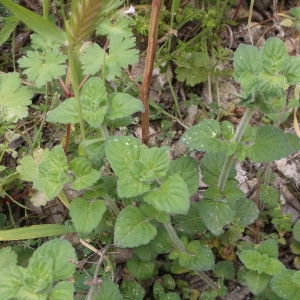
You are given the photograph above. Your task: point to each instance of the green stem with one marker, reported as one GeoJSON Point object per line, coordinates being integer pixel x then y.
{"type": "Point", "coordinates": [237, 138]}
{"type": "Point", "coordinates": [112, 203]}
{"type": "Point", "coordinates": [174, 96]}
{"type": "Point", "coordinates": [180, 246]}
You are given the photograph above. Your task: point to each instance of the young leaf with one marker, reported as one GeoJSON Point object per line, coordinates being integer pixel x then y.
{"type": "Point", "coordinates": [205, 136]}
{"type": "Point", "coordinates": [269, 247]}
{"type": "Point", "coordinates": [225, 269]}
{"type": "Point", "coordinates": [7, 258]}
{"type": "Point", "coordinates": [215, 215]}
{"type": "Point", "coordinates": [197, 257]}
{"type": "Point", "coordinates": [132, 229]}
{"type": "Point", "coordinates": [62, 253]}
{"type": "Point", "coordinates": [257, 283]}
{"type": "Point", "coordinates": [122, 105]}
{"type": "Point", "coordinates": [140, 269]}
{"type": "Point", "coordinates": [11, 281]}
{"type": "Point", "coordinates": [86, 215]}
{"type": "Point", "coordinates": [172, 196]}
{"type": "Point", "coordinates": [187, 168]}
{"type": "Point", "coordinates": [62, 290]}
{"type": "Point", "coordinates": [14, 98]}
{"type": "Point", "coordinates": [270, 144]}
{"type": "Point", "coordinates": [94, 102]}
{"type": "Point", "coordinates": [162, 242]}
{"type": "Point", "coordinates": [292, 70]}
{"type": "Point", "coordinates": [43, 67]}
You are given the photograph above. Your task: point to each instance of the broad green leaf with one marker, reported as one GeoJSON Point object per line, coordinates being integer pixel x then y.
{"type": "Point", "coordinates": [284, 285]}
{"type": "Point", "coordinates": [269, 247]}
{"type": "Point", "coordinates": [271, 85]}
{"type": "Point", "coordinates": [53, 173]}
{"type": "Point", "coordinates": [215, 215]}
{"type": "Point", "coordinates": [132, 229]}
{"type": "Point", "coordinates": [225, 269]}
{"type": "Point", "coordinates": [197, 257]}
{"type": "Point", "coordinates": [34, 231]}
{"type": "Point", "coordinates": [269, 195]}
{"type": "Point", "coordinates": [257, 283]}
{"type": "Point", "coordinates": [11, 280]}
{"type": "Point", "coordinates": [43, 67]}
{"type": "Point", "coordinates": [62, 254]}
{"type": "Point", "coordinates": [140, 269]}
{"type": "Point", "coordinates": [270, 144]}
{"type": "Point", "coordinates": [204, 136]}
{"type": "Point", "coordinates": [7, 29]}
{"type": "Point", "coordinates": [162, 242]}
{"type": "Point", "coordinates": [153, 213]}
{"type": "Point", "coordinates": [90, 65]}
{"type": "Point", "coordinates": [86, 215]}
{"type": "Point", "coordinates": [292, 70]}
{"type": "Point", "coordinates": [64, 113]}
{"type": "Point", "coordinates": [145, 252]}
{"type": "Point", "coordinates": [191, 223]}
{"type": "Point", "coordinates": [187, 168]}
{"type": "Point", "coordinates": [132, 290]}
{"type": "Point", "coordinates": [93, 99]}
{"type": "Point", "coordinates": [85, 174]}
{"type": "Point", "coordinates": [172, 196]}
{"type": "Point", "coordinates": [122, 105]}
{"type": "Point", "coordinates": [8, 258]}
{"type": "Point", "coordinates": [107, 290]}
{"type": "Point", "coordinates": [121, 152]}
{"type": "Point", "coordinates": [227, 130]}
{"type": "Point", "coordinates": [246, 211]}
{"type": "Point", "coordinates": [62, 290]}
{"type": "Point", "coordinates": [14, 98]}
{"type": "Point", "coordinates": [37, 23]}
{"type": "Point", "coordinates": [274, 56]}
{"type": "Point", "coordinates": [296, 231]}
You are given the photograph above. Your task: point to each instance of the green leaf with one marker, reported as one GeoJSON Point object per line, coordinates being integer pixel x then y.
{"type": "Point", "coordinates": [132, 229]}
{"type": "Point", "coordinates": [285, 285]}
{"type": "Point", "coordinates": [122, 105]}
{"type": "Point", "coordinates": [205, 136]}
{"type": "Point", "coordinates": [11, 281]}
{"type": "Point", "coordinates": [215, 215]}
{"type": "Point", "coordinates": [93, 99]}
{"type": "Point", "coordinates": [43, 67]}
{"type": "Point", "coordinates": [140, 269]}
{"type": "Point", "coordinates": [8, 258]}
{"type": "Point", "coordinates": [85, 174]}
{"type": "Point", "coordinates": [257, 283]}
{"type": "Point", "coordinates": [270, 144]}
{"type": "Point", "coordinates": [62, 290]}
{"type": "Point", "coordinates": [14, 98]}
{"type": "Point", "coordinates": [269, 247]}
{"type": "Point", "coordinates": [162, 242]}
{"type": "Point", "coordinates": [37, 23]}
{"type": "Point", "coordinates": [132, 290]}
{"type": "Point", "coordinates": [193, 68]}
{"type": "Point", "coordinates": [197, 257]}
{"type": "Point", "coordinates": [172, 196]}
{"type": "Point", "coordinates": [62, 254]}
{"type": "Point", "coordinates": [187, 168]}
{"type": "Point", "coordinates": [292, 70]}
{"type": "Point", "coordinates": [64, 113]}
{"type": "Point", "coordinates": [90, 65]}
{"type": "Point", "coordinates": [296, 231]}
{"type": "Point", "coordinates": [7, 29]}
{"type": "Point", "coordinates": [227, 129]}
{"type": "Point", "coordinates": [86, 215]}
{"type": "Point", "coordinates": [53, 173]}
{"type": "Point", "coordinates": [145, 252]}
{"type": "Point", "coordinates": [191, 223]}
{"type": "Point", "coordinates": [225, 269]}
{"type": "Point", "coordinates": [269, 195]}
{"type": "Point", "coordinates": [246, 211]}
{"type": "Point", "coordinates": [107, 290]}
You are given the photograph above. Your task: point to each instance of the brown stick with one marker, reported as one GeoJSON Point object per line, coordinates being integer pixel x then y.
{"type": "Point", "coordinates": [151, 50]}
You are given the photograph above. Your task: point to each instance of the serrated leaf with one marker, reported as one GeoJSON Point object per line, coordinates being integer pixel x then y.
{"type": "Point", "coordinates": [11, 281]}
{"type": "Point", "coordinates": [122, 105]}
{"type": "Point", "coordinates": [64, 113]}
{"type": "Point", "coordinates": [86, 215]}
{"type": "Point", "coordinates": [257, 283]}
{"type": "Point", "coordinates": [291, 70]}
{"type": "Point", "coordinates": [132, 229]}
{"type": "Point", "coordinates": [53, 173]}
{"type": "Point", "coordinates": [90, 65]}
{"type": "Point", "coordinates": [269, 247]}
{"type": "Point", "coordinates": [215, 215]}
{"type": "Point", "coordinates": [225, 269]}
{"type": "Point", "coordinates": [172, 196]}
{"type": "Point", "coordinates": [93, 99]}
{"type": "Point", "coordinates": [205, 136]}
{"type": "Point", "coordinates": [140, 269]}
{"type": "Point", "coordinates": [14, 98]}
{"type": "Point", "coordinates": [246, 211]}
{"type": "Point", "coordinates": [85, 174]}
{"type": "Point", "coordinates": [62, 290]}
{"type": "Point", "coordinates": [284, 285]}
{"type": "Point", "coordinates": [8, 257]}
{"type": "Point", "coordinates": [197, 257]}
{"type": "Point", "coordinates": [43, 67]}
{"type": "Point", "coordinates": [62, 253]}
{"type": "Point", "coordinates": [187, 168]}
{"type": "Point", "coordinates": [270, 144]}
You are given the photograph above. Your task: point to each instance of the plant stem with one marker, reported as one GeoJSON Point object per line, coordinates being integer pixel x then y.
{"type": "Point", "coordinates": [180, 246]}
{"type": "Point", "coordinates": [237, 138]}
{"type": "Point", "coordinates": [174, 96]}
{"type": "Point", "coordinates": [111, 202]}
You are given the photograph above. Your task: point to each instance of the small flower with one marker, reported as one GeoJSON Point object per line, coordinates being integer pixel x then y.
{"type": "Point", "coordinates": [131, 10]}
